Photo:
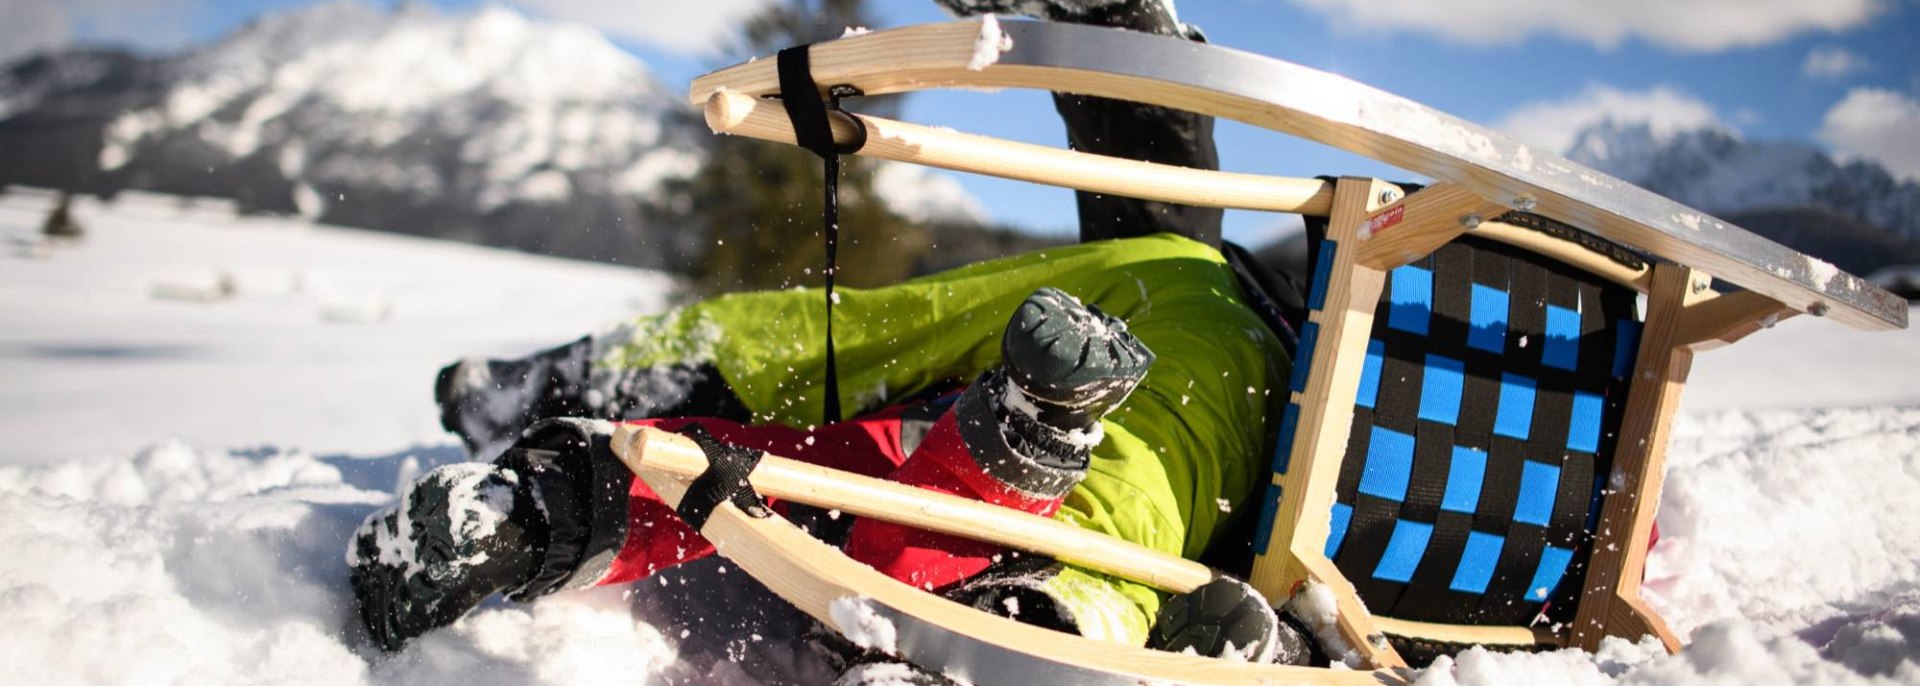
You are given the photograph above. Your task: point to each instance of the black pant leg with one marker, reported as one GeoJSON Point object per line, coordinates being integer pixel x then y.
{"type": "Point", "coordinates": [1140, 132]}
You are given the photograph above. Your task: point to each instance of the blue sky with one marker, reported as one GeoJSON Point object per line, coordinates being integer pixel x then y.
{"type": "Point", "coordinates": [1841, 74]}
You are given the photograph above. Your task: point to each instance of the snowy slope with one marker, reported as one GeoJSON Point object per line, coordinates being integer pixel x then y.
{"type": "Point", "coordinates": [329, 341]}
{"type": "Point", "coordinates": [1791, 548]}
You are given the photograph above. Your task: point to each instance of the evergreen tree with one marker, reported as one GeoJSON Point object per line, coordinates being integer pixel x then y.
{"type": "Point", "coordinates": [760, 203]}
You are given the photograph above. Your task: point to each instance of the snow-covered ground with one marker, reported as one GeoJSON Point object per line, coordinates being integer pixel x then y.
{"type": "Point", "coordinates": [196, 409]}
{"type": "Point", "coordinates": [179, 320]}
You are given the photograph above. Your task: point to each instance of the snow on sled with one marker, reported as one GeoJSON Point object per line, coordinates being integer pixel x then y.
{"type": "Point", "coordinates": [1479, 409]}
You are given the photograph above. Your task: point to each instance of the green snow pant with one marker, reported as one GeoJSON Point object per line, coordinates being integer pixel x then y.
{"type": "Point", "coordinates": [1191, 440]}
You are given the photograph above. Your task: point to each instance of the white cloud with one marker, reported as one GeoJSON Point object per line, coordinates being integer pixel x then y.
{"type": "Point", "coordinates": [1553, 125]}
{"type": "Point", "coordinates": [30, 26]}
{"type": "Point", "coordinates": [1691, 25]}
{"type": "Point", "coordinates": [1879, 125]}
{"type": "Point", "coordinates": [1832, 63]}
{"type": "Point", "coordinates": [675, 25]}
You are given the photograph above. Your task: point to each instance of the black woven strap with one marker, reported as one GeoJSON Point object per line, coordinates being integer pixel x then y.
{"type": "Point", "coordinates": [1505, 370]}
{"type": "Point", "coordinates": [1620, 254]}
{"type": "Point", "coordinates": [800, 96]}
{"type": "Point", "coordinates": [724, 481]}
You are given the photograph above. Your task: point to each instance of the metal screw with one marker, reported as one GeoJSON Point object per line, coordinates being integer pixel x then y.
{"type": "Point", "coordinates": [1700, 285]}
{"type": "Point", "coordinates": [1471, 221]}
{"type": "Point", "coordinates": [1818, 309]}
{"type": "Point", "coordinates": [1525, 203]}
{"type": "Point", "coordinates": [1379, 641]}
{"type": "Point", "coordinates": [1388, 196]}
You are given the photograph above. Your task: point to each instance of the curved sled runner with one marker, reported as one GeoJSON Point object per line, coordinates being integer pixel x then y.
{"type": "Point", "coordinates": [878, 612]}
{"type": "Point", "coordinates": [1484, 286]}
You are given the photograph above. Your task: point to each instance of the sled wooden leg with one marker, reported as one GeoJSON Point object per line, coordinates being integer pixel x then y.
{"type": "Point", "coordinates": [1302, 490]}
{"type": "Point", "coordinates": [1611, 605]}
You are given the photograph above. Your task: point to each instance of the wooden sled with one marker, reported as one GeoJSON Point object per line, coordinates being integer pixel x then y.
{"type": "Point", "coordinates": [1376, 228]}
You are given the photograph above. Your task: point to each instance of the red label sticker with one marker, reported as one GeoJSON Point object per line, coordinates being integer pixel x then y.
{"type": "Point", "coordinates": [1383, 221]}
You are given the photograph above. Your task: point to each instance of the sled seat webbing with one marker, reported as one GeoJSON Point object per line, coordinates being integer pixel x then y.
{"type": "Point", "coordinates": [1482, 434]}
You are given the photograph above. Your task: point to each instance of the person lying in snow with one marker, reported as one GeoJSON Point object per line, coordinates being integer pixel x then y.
{"type": "Point", "coordinates": [557, 511]}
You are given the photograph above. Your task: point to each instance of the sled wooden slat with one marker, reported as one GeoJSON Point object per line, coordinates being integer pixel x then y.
{"type": "Point", "coordinates": [1293, 551]}
{"type": "Point", "coordinates": [739, 114]}
{"type": "Point", "coordinates": [1467, 634]}
{"type": "Point", "coordinates": [863, 496]}
{"type": "Point", "coordinates": [1538, 243]}
{"type": "Point", "coordinates": [1336, 111]}
{"type": "Point", "coordinates": [930, 630]}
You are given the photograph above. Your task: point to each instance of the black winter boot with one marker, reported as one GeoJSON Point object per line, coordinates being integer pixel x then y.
{"type": "Point", "coordinates": [1033, 421]}
{"type": "Point", "coordinates": [1227, 618]}
{"type": "Point", "coordinates": [550, 514]}
{"type": "Point", "coordinates": [1070, 362]}
{"type": "Point", "coordinates": [461, 533]}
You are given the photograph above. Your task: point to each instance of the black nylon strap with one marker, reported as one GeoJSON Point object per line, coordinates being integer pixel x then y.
{"type": "Point", "coordinates": [800, 97]}
{"type": "Point", "coordinates": [725, 480]}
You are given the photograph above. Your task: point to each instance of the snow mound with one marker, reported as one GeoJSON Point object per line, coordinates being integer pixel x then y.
{"type": "Point", "coordinates": [197, 566]}
{"type": "Point", "coordinates": [172, 472]}
{"type": "Point", "coordinates": [1788, 519]}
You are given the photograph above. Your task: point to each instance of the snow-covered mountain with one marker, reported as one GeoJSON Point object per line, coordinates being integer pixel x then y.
{"type": "Point", "coordinates": [1717, 171]}
{"type": "Point", "coordinates": [488, 126]}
